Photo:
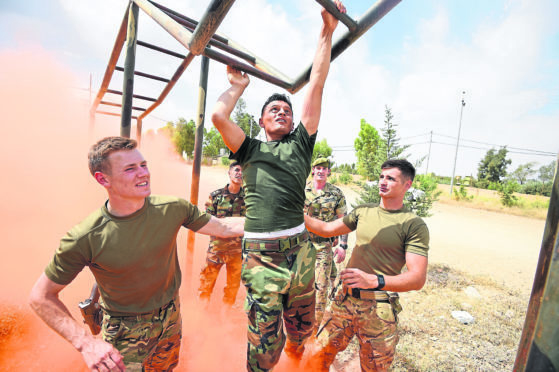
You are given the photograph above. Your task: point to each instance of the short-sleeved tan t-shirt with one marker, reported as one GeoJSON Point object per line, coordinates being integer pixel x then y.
{"type": "Point", "coordinates": [133, 258]}
{"type": "Point", "coordinates": [383, 237]}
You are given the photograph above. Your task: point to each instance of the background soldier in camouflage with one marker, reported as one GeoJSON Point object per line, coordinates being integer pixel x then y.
{"type": "Point", "coordinates": [130, 246]}
{"type": "Point", "coordinates": [388, 237]}
{"type": "Point", "coordinates": [226, 202]}
{"type": "Point", "coordinates": [278, 259]}
{"type": "Point", "coordinates": [327, 203]}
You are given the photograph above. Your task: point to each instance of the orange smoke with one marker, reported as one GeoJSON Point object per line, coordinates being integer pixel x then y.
{"type": "Point", "coordinates": [47, 189]}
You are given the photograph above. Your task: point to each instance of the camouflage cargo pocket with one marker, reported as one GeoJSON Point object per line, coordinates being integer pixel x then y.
{"type": "Point", "coordinates": [385, 312]}
{"type": "Point", "coordinates": [112, 328]}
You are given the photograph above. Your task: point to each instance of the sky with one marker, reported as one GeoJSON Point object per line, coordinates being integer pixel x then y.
{"type": "Point", "coordinates": [418, 60]}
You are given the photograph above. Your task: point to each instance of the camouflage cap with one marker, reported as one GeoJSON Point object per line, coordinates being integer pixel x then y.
{"type": "Point", "coordinates": [322, 162]}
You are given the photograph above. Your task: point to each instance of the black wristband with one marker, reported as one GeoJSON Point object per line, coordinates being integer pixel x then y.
{"type": "Point", "coordinates": [381, 282]}
{"type": "Point", "coordinates": [343, 246]}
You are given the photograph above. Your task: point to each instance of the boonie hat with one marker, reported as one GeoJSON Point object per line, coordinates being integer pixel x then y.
{"type": "Point", "coordinates": [322, 162]}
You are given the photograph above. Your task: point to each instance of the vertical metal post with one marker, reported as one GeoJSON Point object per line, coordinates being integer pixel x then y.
{"type": "Point", "coordinates": [139, 131]}
{"type": "Point", "coordinates": [429, 154]}
{"type": "Point", "coordinates": [129, 65]}
{"type": "Point", "coordinates": [195, 182]}
{"type": "Point", "coordinates": [457, 142]}
{"type": "Point", "coordinates": [538, 348]}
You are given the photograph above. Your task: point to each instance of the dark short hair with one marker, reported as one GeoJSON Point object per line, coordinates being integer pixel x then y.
{"type": "Point", "coordinates": [276, 97]}
{"type": "Point", "coordinates": [99, 153]}
{"type": "Point", "coordinates": [233, 164]}
{"type": "Point", "coordinates": [405, 167]}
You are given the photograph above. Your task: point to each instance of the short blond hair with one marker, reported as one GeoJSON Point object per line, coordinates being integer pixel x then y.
{"type": "Point", "coordinates": [99, 153]}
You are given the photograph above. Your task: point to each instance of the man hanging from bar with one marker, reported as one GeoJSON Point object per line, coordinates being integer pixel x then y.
{"type": "Point", "coordinates": [278, 258]}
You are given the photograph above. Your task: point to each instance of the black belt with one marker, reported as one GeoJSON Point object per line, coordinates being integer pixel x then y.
{"type": "Point", "coordinates": [319, 239]}
{"type": "Point", "coordinates": [369, 294]}
{"type": "Point", "coordinates": [275, 245]}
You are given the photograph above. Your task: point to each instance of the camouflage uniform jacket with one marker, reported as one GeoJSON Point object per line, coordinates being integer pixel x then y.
{"type": "Point", "coordinates": [223, 203]}
{"type": "Point", "coordinates": [326, 204]}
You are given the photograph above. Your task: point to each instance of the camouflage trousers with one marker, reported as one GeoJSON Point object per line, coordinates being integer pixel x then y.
{"type": "Point", "coordinates": [279, 278]}
{"type": "Point", "coordinates": [208, 275]}
{"type": "Point", "coordinates": [374, 322]}
{"type": "Point", "coordinates": [147, 342]}
{"type": "Point", "coordinates": [322, 282]}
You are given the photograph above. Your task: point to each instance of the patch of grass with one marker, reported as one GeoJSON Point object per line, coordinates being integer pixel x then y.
{"type": "Point", "coordinates": [432, 340]}
{"type": "Point", "coordinates": [533, 206]}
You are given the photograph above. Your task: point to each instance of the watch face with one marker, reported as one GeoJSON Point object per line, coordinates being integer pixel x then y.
{"type": "Point", "coordinates": [380, 281]}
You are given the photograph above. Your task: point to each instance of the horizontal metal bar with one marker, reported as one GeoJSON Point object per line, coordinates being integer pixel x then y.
{"type": "Point", "coordinates": [120, 105]}
{"type": "Point", "coordinates": [342, 17]}
{"type": "Point", "coordinates": [371, 17]}
{"type": "Point", "coordinates": [218, 41]}
{"type": "Point", "coordinates": [135, 95]}
{"type": "Point", "coordinates": [159, 49]}
{"type": "Point", "coordinates": [112, 114]}
{"type": "Point", "coordinates": [210, 53]}
{"type": "Point", "coordinates": [188, 22]}
{"type": "Point", "coordinates": [143, 74]}
{"type": "Point", "coordinates": [181, 34]}
{"type": "Point", "coordinates": [212, 18]}
{"type": "Point", "coordinates": [182, 67]}
{"type": "Point", "coordinates": [117, 48]}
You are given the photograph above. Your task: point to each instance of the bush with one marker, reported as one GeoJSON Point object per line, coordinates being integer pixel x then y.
{"type": "Point", "coordinates": [536, 188]}
{"type": "Point", "coordinates": [462, 194]}
{"type": "Point", "coordinates": [506, 191]}
{"type": "Point", "coordinates": [345, 178]}
{"type": "Point", "coordinates": [225, 161]}
{"type": "Point", "coordinates": [422, 205]}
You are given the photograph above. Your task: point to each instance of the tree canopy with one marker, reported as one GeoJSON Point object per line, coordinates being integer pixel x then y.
{"type": "Point", "coordinates": [392, 149]}
{"type": "Point", "coordinates": [493, 167]}
{"type": "Point", "coordinates": [245, 120]}
{"type": "Point", "coordinates": [321, 150]}
{"type": "Point", "coordinates": [368, 149]}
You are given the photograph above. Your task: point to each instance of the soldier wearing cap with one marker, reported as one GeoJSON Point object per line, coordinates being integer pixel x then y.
{"type": "Point", "coordinates": [388, 236]}
{"type": "Point", "coordinates": [327, 203]}
{"type": "Point", "coordinates": [227, 201]}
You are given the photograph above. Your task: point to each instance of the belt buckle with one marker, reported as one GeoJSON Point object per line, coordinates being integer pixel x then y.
{"type": "Point", "coordinates": [356, 293]}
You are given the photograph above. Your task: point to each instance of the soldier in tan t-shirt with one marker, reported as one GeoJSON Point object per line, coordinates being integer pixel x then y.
{"type": "Point", "coordinates": [129, 244]}
{"type": "Point", "coordinates": [388, 237]}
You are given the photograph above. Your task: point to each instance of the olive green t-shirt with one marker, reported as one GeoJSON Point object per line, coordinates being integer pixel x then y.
{"type": "Point", "coordinates": [274, 176]}
{"type": "Point", "coordinates": [383, 237]}
{"type": "Point", "coordinates": [133, 258]}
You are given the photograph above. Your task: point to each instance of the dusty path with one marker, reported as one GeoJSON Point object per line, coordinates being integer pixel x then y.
{"type": "Point", "coordinates": [503, 247]}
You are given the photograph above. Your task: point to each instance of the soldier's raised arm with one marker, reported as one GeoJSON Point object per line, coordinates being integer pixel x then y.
{"type": "Point", "coordinates": [312, 105]}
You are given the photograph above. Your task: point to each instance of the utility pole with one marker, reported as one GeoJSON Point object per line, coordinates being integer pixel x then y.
{"type": "Point", "coordinates": [457, 142]}
{"type": "Point", "coordinates": [429, 153]}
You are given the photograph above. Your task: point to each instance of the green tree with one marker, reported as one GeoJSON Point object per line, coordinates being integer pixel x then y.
{"type": "Point", "coordinates": [182, 135]}
{"type": "Point", "coordinates": [392, 149]}
{"type": "Point", "coordinates": [321, 150]}
{"type": "Point", "coordinates": [493, 167]}
{"type": "Point", "coordinates": [368, 147]}
{"type": "Point", "coordinates": [212, 143]}
{"type": "Point", "coordinates": [245, 120]}
{"type": "Point", "coordinates": [524, 171]}
{"type": "Point", "coordinates": [546, 172]}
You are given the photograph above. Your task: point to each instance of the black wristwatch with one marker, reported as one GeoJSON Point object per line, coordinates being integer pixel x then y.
{"type": "Point", "coordinates": [381, 282]}
{"type": "Point", "coordinates": [343, 246]}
